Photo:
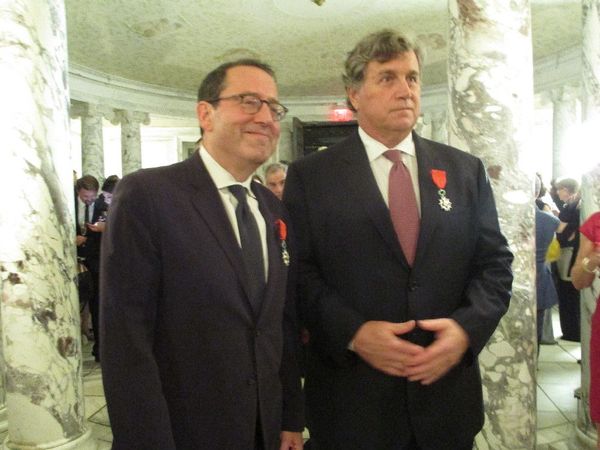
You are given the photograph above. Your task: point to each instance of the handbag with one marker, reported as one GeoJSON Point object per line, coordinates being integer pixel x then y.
{"type": "Point", "coordinates": [553, 252]}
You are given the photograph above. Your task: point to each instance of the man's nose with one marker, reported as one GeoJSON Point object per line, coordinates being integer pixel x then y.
{"type": "Point", "coordinates": [403, 89]}
{"type": "Point", "coordinates": [264, 114]}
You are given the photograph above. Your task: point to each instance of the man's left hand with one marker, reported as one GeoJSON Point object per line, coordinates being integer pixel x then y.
{"type": "Point", "coordinates": [446, 351]}
{"type": "Point", "coordinates": [291, 440]}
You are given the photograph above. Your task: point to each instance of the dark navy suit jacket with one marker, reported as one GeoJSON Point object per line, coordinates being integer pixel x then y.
{"type": "Point", "coordinates": [352, 270]}
{"type": "Point", "coordinates": [187, 363]}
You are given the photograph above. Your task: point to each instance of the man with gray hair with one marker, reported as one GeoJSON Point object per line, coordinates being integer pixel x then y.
{"type": "Point", "coordinates": [275, 178]}
{"type": "Point", "coordinates": [403, 271]}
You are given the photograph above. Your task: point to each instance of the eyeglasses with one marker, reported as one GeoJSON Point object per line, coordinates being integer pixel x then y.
{"type": "Point", "coordinates": [251, 104]}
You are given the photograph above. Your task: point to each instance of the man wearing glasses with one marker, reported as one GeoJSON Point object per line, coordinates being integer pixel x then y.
{"type": "Point", "coordinates": [200, 335]}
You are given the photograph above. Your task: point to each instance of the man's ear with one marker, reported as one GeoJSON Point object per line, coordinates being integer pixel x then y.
{"type": "Point", "coordinates": [205, 111]}
{"type": "Point", "coordinates": [352, 94]}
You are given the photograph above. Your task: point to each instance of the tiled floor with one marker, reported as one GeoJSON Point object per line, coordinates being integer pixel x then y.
{"type": "Point", "coordinates": [558, 377]}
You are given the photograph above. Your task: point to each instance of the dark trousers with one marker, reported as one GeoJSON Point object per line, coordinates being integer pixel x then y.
{"type": "Point", "coordinates": [94, 304]}
{"type": "Point", "coordinates": [569, 311]}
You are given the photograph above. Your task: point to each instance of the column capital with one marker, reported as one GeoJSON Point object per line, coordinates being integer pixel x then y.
{"type": "Point", "coordinates": [125, 116]}
{"type": "Point", "coordinates": [565, 93]}
{"type": "Point", "coordinates": [82, 109]}
{"type": "Point", "coordinates": [434, 115]}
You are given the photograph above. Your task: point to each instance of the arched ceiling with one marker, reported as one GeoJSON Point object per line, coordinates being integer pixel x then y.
{"type": "Point", "coordinates": [174, 43]}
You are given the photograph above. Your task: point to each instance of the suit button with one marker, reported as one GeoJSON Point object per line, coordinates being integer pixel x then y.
{"type": "Point", "coordinates": [412, 286]}
{"type": "Point", "coordinates": [251, 381]}
{"type": "Point", "coordinates": [257, 333]}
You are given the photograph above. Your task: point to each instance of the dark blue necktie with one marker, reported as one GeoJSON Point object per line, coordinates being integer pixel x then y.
{"type": "Point", "coordinates": [251, 246]}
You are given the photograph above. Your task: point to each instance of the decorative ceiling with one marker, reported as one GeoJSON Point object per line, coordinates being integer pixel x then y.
{"type": "Point", "coordinates": [174, 43]}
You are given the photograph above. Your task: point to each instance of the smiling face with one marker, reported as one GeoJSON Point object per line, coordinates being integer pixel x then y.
{"type": "Point", "coordinates": [389, 98]}
{"type": "Point", "coordinates": [238, 141]}
{"type": "Point", "coordinates": [87, 196]}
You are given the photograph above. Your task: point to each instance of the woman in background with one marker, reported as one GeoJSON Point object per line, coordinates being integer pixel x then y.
{"type": "Point", "coordinates": [585, 270]}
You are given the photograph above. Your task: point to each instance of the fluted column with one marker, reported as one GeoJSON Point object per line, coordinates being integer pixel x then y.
{"type": "Point", "coordinates": [39, 308]}
{"type": "Point", "coordinates": [564, 117]}
{"type": "Point", "coordinates": [586, 431]}
{"type": "Point", "coordinates": [131, 141]}
{"type": "Point", "coordinates": [490, 116]}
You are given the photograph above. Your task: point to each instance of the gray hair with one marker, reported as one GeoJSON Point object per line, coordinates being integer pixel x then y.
{"type": "Point", "coordinates": [381, 46]}
{"type": "Point", "coordinates": [275, 167]}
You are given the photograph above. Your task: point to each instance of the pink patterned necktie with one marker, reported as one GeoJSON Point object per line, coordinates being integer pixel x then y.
{"type": "Point", "coordinates": [403, 205]}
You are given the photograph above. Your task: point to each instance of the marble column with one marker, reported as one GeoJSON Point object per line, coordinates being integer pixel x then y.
{"type": "Point", "coordinates": [131, 140]}
{"type": "Point", "coordinates": [564, 117]}
{"type": "Point", "coordinates": [591, 60]}
{"type": "Point", "coordinates": [590, 190]}
{"type": "Point", "coordinates": [439, 131]}
{"type": "Point", "coordinates": [92, 141]}
{"type": "Point", "coordinates": [490, 115]}
{"type": "Point", "coordinates": [39, 309]}
{"type": "Point", "coordinates": [3, 410]}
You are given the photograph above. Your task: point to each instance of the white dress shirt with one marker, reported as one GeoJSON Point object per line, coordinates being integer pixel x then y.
{"type": "Point", "coordinates": [223, 180]}
{"type": "Point", "coordinates": [381, 166]}
{"type": "Point", "coordinates": [81, 219]}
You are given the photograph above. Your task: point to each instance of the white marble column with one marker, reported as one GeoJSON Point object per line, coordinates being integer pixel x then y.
{"type": "Point", "coordinates": [92, 141]}
{"type": "Point", "coordinates": [490, 116]}
{"type": "Point", "coordinates": [439, 131]}
{"type": "Point", "coordinates": [39, 308]}
{"type": "Point", "coordinates": [3, 410]}
{"type": "Point", "coordinates": [586, 431]}
{"type": "Point", "coordinates": [564, 117]}
{"type": "Point", "coordinates": [131, 140]}
{"type": "Point", "coordinates": [591, 60]}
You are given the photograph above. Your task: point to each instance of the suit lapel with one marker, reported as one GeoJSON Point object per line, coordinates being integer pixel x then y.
{"type": "Point", "coordinates": [206, 200]}
{"type": "Point", "coordinates": [428, 193]}
{"type": "Point", "coordinates": [361, 185]}
{"type": "Point", "coordinates": [276, 269]}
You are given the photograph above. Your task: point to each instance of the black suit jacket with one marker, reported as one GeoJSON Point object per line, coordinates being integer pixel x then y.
{"type": "Point", "coordinates": [90, 251]}
{"type": "Point", "coordinates": [186, 362]}
{"type": "Point", "coordinates": [352, 270]}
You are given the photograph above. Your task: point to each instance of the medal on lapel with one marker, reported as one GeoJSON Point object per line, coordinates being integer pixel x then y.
{"type": "Point", "coordinates": [282, 233]}
{"type": "Point", "coordinates": [439, 179]}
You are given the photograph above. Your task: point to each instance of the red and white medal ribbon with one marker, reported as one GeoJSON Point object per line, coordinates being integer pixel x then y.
{"type": "Point", "coordinates": [282, 233]}
{"type": "Point", "coordinates": [439, 179]}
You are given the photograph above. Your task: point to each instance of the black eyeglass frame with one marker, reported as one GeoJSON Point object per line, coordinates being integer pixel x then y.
{"type": "Point", "coordinates": [278, 113]}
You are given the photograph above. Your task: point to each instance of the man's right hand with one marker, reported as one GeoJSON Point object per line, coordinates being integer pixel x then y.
{"type": "Point", "coordinates": [379, 344]}
{"type": "Point", "coordinates": [80, 240]}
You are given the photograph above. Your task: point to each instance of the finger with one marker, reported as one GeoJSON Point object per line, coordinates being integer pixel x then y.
{"type": "Point", "coordinates": [432, 324]}
{"type": "Point", "coordinates": [404, 327]}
